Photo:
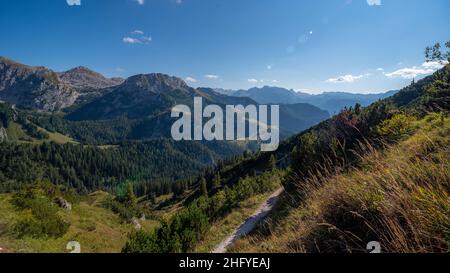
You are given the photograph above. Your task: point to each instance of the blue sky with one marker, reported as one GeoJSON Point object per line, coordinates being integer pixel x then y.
{"type": "Point", "coordinates": [313, 46]}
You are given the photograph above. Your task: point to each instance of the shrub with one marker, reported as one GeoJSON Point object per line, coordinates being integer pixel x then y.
{"type": "Point", "coordinates": [44, 221]}
{"type": "Point", "coordinates": [395, 128]}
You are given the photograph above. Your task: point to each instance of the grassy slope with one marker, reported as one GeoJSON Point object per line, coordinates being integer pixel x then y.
{"type": "Point", "coordinates": [16, 133]}
{"type": "Point", "coordinates": [97, 229]}
{"type": "Point", "coordinates": [399, 197]}
{"type": "Point", "coordinates": [57, 137]}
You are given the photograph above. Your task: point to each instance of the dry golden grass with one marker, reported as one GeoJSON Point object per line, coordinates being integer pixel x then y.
{"type": "Point", "coordinates": [399, 197]}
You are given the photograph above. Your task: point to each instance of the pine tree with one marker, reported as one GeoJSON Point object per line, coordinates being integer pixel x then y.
{"type": "Point", "coordinates": [272, 162]}
{"type": "Point", "coordinates": [203, 187]}
{"type": "Point", "coordinates": [217, 182]}
{"type": "Point", "coordinates": [130, 198]}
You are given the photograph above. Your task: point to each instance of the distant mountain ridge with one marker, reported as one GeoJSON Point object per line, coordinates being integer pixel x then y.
{"type": "Point", "coordinates": [333, 102]}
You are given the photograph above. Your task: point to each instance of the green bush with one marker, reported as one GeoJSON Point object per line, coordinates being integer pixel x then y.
{"type": "Point", "coordinates": [126, 206]}
{"type": "Point", "coordinates": [44, 220]}
{"type": "Point", "coordinates": [396, 127]}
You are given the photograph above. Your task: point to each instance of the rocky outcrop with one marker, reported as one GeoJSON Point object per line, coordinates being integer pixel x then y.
{"type": "Point", "coordinates": [35, 87]}
{"type": "Point", "coordinates": [136, 223]}
{"type": "Point", "coordinates": [86, 81]}
{"type": "Point", "coordinates": [63, 203]}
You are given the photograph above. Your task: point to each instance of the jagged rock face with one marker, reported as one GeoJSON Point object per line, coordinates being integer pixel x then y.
{"type": "Point", "coordinates": [86, 80]}
{"type": "Point", "coordinates": [35, 87]}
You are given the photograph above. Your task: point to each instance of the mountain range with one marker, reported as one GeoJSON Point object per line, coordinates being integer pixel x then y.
{"type": "Point", "coordinates": [333, 102]}
{"type": "Point", "coordinates": [141, 103]}
{"type": "Point", "coordinates": [145, 100]}
{"type": "Point", "coordinates": [91, 108]}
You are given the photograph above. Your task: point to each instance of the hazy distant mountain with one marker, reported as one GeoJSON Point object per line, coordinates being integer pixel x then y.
{"type": "Point", "coordinates": [227, 92]}
{"type": "Point", "coordinates": [336, 101]}
{"type": "Point", "coordinates": [36, 87]}
{"type": "Point", "coordinates": [333, 102]}
{"type": "Point", "coordinates": [268, 95]}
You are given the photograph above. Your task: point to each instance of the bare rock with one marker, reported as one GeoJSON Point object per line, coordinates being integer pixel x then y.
{"type": "Point", "coordinates": [64, 203]}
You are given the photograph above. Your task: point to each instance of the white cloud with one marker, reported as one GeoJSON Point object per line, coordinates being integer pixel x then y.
{"type": "Point", "coordinates": [274, 81]}
{"type": "Point", "coordinates": [408, 73]}
{"type": "Point", "coordinates": [211, 77]}
{"type": "Point", "coordinates": [190, 79]}
{"type": "Point", "coordinates": [347, 78]}
{"type": "Point", "coordinates": [119, 69]}
{"type": "Point", "coordinates": [269, 67]}
{"type": "Point", "coordinates": [140, 2]}
{"type": "Point", "coordinates": [74, 2]}
{"type": "Point", "coordinates": [146, 39]}
{"type": "Point", "coordinates": [413, 72]}
{"type": "Point", "coordinates": [374, 2]}
{"type": "Point", "coordinates": [380, 69]}
{"type": "Point", "coordinates": [129, 40]}
{"type": "Point", "coordinates": [252, 80]}
{"type": "Point", "coordinates": [434, 65]}
{"type": "Point", "coordinates": [137, 40]}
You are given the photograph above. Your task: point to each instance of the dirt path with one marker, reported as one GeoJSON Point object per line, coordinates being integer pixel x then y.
{"type": "Point", "coordinates": [250, 223]}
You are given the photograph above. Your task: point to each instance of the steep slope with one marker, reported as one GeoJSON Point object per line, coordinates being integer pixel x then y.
{"type": "Point", "coordinates": [373, 174]}
{"type": "Point", "coordinates": [35, 87]}
{"type": "Point", "coordinates": [399, 199]}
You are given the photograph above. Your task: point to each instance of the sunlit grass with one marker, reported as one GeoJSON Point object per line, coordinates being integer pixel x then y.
{"type": "Point", "coordinates": [399, 197]}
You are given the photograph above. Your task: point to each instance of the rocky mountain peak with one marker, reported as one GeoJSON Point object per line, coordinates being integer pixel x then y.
{"type": "Point", "coordinates": [155, 82]}
{"type": "Point", "coordinates": [36, 87]}
{"type": "Point", "coordinates": [85, 79]}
